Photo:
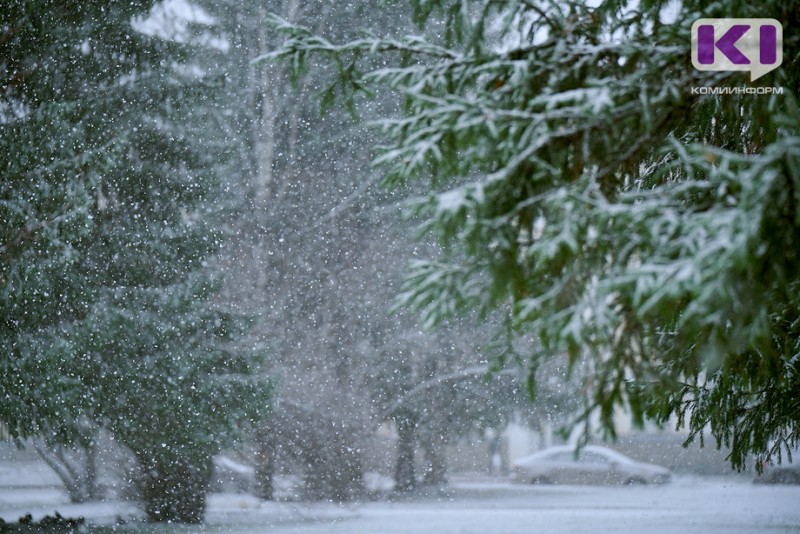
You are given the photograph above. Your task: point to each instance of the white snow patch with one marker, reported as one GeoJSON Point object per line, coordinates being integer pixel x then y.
{"type": "Point", "coordinates": [232, 465]}
{"type": "Point", "coordinates": [688, 505]}
{"type": "Point", "coordinates": [171, 19]}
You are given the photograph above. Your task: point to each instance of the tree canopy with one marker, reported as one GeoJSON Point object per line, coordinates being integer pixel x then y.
{"type": "Point", "coordinates": [107, 203]}
{"type": "Point", "coordinates": [638, 228]}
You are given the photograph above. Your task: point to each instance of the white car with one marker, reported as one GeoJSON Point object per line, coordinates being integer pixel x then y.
{"type": "Point", "coordinates": [592, 465]}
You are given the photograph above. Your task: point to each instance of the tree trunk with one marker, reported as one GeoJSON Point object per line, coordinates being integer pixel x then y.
{"type": "Point", "coordinates": [75, 465]}
{"type": "Point", "coordinates": [405, 477]}
{"type": "Point", "coordinates": [93, 489]}
{"type": "Point", "coordinates": [175, 490]}
{"type": "Point", "coordinates": [436, 468]}
{"type": "Point", "coordinates": [347, 476]}
{"type": "Point", "coordinates": [334, 464]}
{"type": "Point", "coordinates": [265, 465]}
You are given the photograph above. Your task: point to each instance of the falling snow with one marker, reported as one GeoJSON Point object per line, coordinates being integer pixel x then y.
{"type": "Point", "coordinates": [220, 305]}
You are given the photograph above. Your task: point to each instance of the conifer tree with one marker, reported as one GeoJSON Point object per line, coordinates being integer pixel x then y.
{"type": "Point", "coordinates": [107, 203]}
{"type": "Point", "coordinates": [626, 222]}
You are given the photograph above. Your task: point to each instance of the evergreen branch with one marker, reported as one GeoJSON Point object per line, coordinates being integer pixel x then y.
{"type": "Point", "coordinates": [31, 230]}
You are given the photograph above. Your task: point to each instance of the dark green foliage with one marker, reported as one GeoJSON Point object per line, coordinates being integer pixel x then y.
{"type": "Point", "coordinates": [50, 524]}
{"type": "Point", "coordinates": [107, 207]}
{"type": "Point", "coordinates": [643, 232]}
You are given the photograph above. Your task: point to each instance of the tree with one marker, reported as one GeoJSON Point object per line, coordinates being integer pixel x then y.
{"type": "Point", "coordinates": [294, 258]}
{"type": "Point", "coordinates": [74, 463]}
{"type": "Point", "coordinates": [316, 275]}
{"type": "Point", "coordinates": [319, 281]}
{"type": "Point", "coordinates": [438, 387]}
{"type": "Point", "coordinates": [621, 219]}
{"type": "Point", "coordinates": [107, 211]}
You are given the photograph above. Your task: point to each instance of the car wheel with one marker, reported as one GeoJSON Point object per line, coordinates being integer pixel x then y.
{"type": "Point", "coordinates": [635, 481]}
{"type": "Point", "coordinates": [541, 480]}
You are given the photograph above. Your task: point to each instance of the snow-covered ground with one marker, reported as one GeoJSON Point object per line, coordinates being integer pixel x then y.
{"type": "Point", "coordinates": [688, 505]}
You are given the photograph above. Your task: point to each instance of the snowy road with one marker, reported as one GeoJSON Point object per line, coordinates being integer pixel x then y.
{"type": "Point", "coordinates": [688, 505]}
{"type": "Point", "coordinates": [685, 506]}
